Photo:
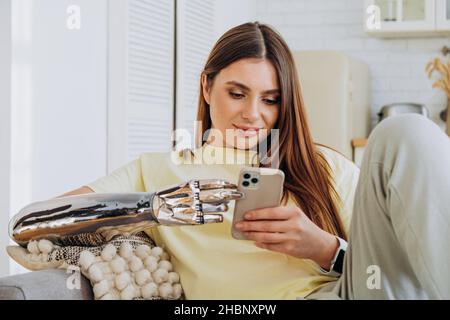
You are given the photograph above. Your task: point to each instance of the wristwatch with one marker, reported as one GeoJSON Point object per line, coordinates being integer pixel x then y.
{"type": "Point", "coordinates": [337, 263]}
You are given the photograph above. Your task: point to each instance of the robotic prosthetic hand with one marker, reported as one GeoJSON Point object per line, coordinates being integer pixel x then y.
{"type": "Point", "coordinates": [66, 220]}
{"type": "Point", "coordinates": [93, 220]}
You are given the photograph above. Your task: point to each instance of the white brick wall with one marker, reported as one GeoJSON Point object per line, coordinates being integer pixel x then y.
{"type": "Point", "coordinates": [397, 65]}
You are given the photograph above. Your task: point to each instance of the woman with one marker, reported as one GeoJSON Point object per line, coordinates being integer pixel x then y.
{"type": "Point", "coordinates": [250, 86]}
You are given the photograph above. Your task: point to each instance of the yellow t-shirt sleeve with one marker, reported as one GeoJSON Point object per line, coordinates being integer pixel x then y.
{"type": "Point", "coordinates": [127, 178]}
{"type": "Point", "coordinates": [346, 191]}
{"type": "Point", "coordinates": [345, 175]}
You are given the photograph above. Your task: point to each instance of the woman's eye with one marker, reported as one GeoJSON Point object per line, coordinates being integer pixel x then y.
{"type": "Point", "coordinates": [236, 95]}
{"type": "Point", "coordinates": [271, 101]}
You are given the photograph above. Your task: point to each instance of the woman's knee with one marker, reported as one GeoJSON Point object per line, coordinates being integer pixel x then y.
{"type": "Point", "coordinates": [409, 130]}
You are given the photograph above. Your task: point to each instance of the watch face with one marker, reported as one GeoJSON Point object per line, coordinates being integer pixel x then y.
{"type": "Point", "coordinates": [339, 263]}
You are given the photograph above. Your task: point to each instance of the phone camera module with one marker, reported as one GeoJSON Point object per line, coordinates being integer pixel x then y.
{"type": "Point", "coordinates": [247, 176]}
{"type": "Point", "coordinates": [254, 180]}
{"type": "Point", "coordinates": [245, 183]}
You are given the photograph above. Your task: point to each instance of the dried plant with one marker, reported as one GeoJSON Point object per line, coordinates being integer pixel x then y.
{"type": "Point", "coordinates": [436, 65]}
{"type": "Point", "coordinates": [443, 82]}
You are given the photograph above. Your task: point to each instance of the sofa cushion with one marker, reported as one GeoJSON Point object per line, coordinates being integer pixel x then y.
{"type": "Point", "coordinates": [11, 293]}
{"type": "Point", "coordinates": [49, 284]}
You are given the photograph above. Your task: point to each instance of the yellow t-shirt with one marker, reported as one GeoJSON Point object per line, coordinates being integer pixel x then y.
{"type": "Point", "coordinates": [212, 264]}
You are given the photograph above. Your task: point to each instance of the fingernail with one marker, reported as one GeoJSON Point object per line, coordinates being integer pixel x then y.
{"type": "Point", "coordinates": [248, 215]}
{"type": "Point", "coordinates": [238, 225]}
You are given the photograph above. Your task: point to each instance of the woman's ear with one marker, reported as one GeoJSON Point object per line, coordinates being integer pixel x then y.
{"type": "Point", "coordinates": [205, 88]}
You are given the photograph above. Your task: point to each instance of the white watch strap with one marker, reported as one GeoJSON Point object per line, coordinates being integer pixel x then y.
{"type": "Point", "coordinates": [342, 246]}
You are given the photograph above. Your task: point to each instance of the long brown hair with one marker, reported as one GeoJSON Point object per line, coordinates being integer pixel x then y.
{"type": "Point", "coordinates": [308, 177]}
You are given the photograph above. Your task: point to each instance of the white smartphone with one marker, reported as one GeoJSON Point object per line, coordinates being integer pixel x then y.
{"type": "Point", "coordinates": [262, 188]}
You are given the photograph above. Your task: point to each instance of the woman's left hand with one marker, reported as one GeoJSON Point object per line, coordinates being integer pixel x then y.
{"type": "Point", "coordinates": [288, 230]}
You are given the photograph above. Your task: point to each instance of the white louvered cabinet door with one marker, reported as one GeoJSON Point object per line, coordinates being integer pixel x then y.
{"type": "Point", "coordinates": [195, 38]}
{"type": "Point", "coordinates": [141, 78]}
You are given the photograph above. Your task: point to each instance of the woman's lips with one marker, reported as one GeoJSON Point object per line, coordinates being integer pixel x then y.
{"type": "Point", "coordinates": [246, 131]}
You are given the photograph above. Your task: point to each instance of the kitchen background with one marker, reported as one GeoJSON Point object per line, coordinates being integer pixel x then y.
{"type": "Point", "coordinates": [86, 86]}
{"type": "Point", "coordinates": [397, 65]}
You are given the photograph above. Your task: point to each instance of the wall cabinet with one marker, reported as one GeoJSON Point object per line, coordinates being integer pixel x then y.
{"type": "Point", "coordinates": [443, 15]}
{"type": "Point", "coordinates": [407, 18]}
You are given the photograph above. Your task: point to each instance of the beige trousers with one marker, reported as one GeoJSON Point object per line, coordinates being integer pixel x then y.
{"type": "Point", "coordinates": [399, 242]}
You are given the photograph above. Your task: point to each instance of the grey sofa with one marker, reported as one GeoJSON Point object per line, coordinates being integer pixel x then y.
{"type": "Point", "coordinates": [43, 285]}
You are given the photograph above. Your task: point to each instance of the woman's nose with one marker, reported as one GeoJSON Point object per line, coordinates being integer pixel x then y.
{"type": "Point", "coordinates": [251, 111]}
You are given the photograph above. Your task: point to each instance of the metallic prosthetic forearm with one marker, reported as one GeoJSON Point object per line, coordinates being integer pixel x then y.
{"type": "Point", "coordinates": [93, 219]}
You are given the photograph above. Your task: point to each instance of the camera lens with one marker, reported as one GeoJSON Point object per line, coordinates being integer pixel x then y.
{"type": "Point", "coordinates": [254, 180]}
{"type": "Point", "coordinates": [245, 183]}
{"type": "Point", "coordinates": [247, 176]}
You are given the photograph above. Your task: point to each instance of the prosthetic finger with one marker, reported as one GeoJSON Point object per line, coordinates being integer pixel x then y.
{"type": "Point", "coordinates": [207, 184]}
{"type": "Point", "coordinates": [211, 207]}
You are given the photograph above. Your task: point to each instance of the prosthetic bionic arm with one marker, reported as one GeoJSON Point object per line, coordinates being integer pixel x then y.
{"type": "Point", "coordinates": [94, 219]}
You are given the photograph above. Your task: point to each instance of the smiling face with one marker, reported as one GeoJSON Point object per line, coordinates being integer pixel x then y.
{"type": "Point", "coordinates": [244, 100]}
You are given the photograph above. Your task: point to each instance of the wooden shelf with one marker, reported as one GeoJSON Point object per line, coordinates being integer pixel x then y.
{"type": "Point", "coordinates": [359, 143]}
